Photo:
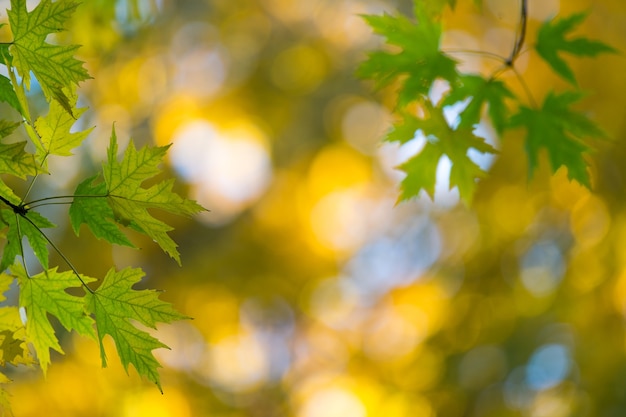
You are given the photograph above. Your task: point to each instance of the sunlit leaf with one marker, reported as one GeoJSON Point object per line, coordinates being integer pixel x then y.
{"type": "Point", "coordinates": [95, 212]}
{"type": "Point", "coordinates": [54, 66]}
{"type": "Point", "coordinates": [45, 294]}
{"type": "Point", "coordinates": [481, 92]}
{"type": "Point", "coordinates": [54, 131]}
{"type": "Point", "coordinates": [130, 201]}
{"type": "Point", "coordinates": [114, 304]}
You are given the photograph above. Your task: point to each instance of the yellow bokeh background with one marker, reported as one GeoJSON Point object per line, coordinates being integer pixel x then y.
{"type": "Point", "coordinates": [313, 292]}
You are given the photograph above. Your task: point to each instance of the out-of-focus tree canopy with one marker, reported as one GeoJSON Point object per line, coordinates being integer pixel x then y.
{"type": "Point", "coordinates": [313, 294]}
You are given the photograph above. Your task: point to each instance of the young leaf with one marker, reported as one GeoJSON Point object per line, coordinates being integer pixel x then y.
{"type": "Point", "coordinates": [420, 60]}
{"type": "Point", "coordinates": [44, 294]}
{"type": "Point", "coordinates": [114, 304]}
{"type": "Point", "coordinates": [54, 131]}
{"type": "Point", "coordinates": [130, 201]}
{"type": "Point", "coordinates": [562, 132]}
{"type": "Point", "coordinates": [551, 39]}
{"type": "Point", "coordinates": [54, 66]}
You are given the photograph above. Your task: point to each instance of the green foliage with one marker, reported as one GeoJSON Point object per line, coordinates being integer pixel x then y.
{"type": "Point", "coordinates": [44, 294]}
{"type": "Point", "coordinates": [114, 304]}
{"type": "Point", "coordinates": [551, 40]}
{"type": "Point", "coordinates": [104, 202]}
{"type": "Point", "coordinates": [562, 132]}
{"type": "Point", "coordinates": [54, 66]}
{"type": "Point", "coordinates": [416, 61]}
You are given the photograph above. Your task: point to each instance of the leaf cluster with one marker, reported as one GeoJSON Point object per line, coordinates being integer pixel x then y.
{"type": "Point", "coordinates": [414, 62]}
{"type": "Point", "coordinates": [108, 203]}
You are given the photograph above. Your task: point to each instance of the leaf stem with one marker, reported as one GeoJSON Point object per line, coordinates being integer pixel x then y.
{"type": "Point", "coordinates": [529, 93]}
{"type": "Point", "coordinates": [19, 235]}
{"type": "Point", "coordinates": [57, 250]}
{"type": "Point", "coordinates": [520, 36]}
{"type": "Point", "coordinates": [486, 54]}
{"type": "Point", "coordinates": [58, 197]}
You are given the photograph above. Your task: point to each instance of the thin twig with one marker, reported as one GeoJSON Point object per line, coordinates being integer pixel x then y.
{"type": "Point", "coordinates": [473, 52]}
{"type": "Point", "coordinates": [520, 36]}
{"type": "Point", "coordinates": [67, 261]}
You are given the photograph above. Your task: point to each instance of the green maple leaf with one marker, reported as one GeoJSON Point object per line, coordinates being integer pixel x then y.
{"type": "Point", "coordinates": [481, 92]}
{"type": "Point", "coordinates": [420, 61]}
{"type": "Point", "coordinates": [7, 193]}
{"type": "Point", "coordinates": [421, 172]}
{"type": "Point", "coordinates": [7, 127]}
{"type": "Point", "coordinates": [54, 66]}
{"type": "Point", "coordinates": [130, 201]}
{"type": "Point", "coordinates": [7, 93]}
{"type": "Point", "coordinates": [46, 293]}
{"type": "Point", "coordinates": [13, 346]}
{"type": "Point", "coordinates": [95, 212]}
{"type": "Point", "coordinates": [442, 140]}
{"type": "Point", "coordinates": [19, 226]}
{"type": "Point", "coordinates": [562, 132]}
{"type": "Point", "coordinates": [54, 131]}
{"type": "Point", "coordinates": [15, 160]}
{"type": "Point", "coordinates": [114, 304]}
{"type": "Point", "coordinates": [551, 39]}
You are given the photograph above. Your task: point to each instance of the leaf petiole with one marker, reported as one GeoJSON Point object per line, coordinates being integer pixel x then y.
{"type": "Point", "coordinates": [57, 250]}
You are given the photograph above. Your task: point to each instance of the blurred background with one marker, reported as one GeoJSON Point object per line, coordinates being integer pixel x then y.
{"type": "Point", "coordinates": [312, 293]}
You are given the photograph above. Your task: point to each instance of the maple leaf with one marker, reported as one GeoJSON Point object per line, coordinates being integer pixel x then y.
{"type": "Point", "coordinates": [44, 294]}
{"type": "Point", "coordinates": [562, 132]}
{"type": "Point", "coordinates": [7, 127]}
{"type": "Point", "coordinates": [420, 61]}
{"type": "Point", "coordinates": [54, 66]}
{"type": "Point", "coordinates": [13, 347]}
{"type": "Point", "coordinates": [95, 212]}
{"type": "Point", "coordinates": [15, 160]}
{"type": "Point", "coordinates": [551, 39]}
{"type": "Point", "coordinates": [54, 131]}
{"type": "Point", "coordinates": [7, 93]}
{"type": "Point", "coordinates": [481, 92]}
{"type": "Point", "coordinates": [114, 304]}
{"type": "Point", "coordinates": [130, 202]}
{"type": "Point", "coordinates": [21, 226]}
{"type": "Point", "coordinates": [442, 140]}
